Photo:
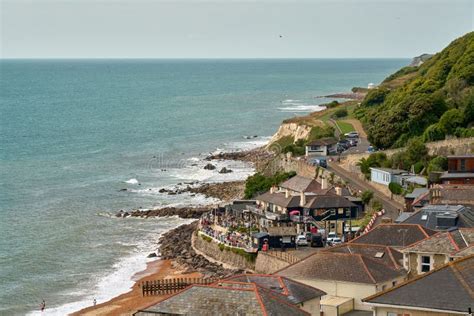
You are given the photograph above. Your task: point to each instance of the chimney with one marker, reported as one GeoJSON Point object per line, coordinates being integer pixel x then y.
{"type": "Point", "coordinates": [287, 193]}
{"type": "Point", "coordinates": [339, 191]}
{"type": "Point", "coordinates": [324, 183]}
{"type": "Point", "coordinates": [302, 199]}
{"type": "Point", "coordinates": [272, 189]}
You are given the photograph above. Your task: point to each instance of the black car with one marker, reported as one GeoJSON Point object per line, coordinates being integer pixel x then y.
{"type": "Point", "coordinates": [317, 240]}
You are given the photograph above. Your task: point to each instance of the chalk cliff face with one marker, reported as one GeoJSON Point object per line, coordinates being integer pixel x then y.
{"type": "Point", "coordinates": [291, 129]}
{"type": "Point", "coordinates": [418, 60]}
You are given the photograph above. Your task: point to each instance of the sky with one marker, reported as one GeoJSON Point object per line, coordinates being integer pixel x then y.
{"type": "Point", "coordinates": [229, 28]}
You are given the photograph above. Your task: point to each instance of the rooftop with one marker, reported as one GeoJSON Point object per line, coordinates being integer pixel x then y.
{"type": "Point", "coordinates": [390, 170]}
{"type": "Point", "coordinates": [279, 198]}
{"type": "Point", "coordinates": [295, 292]}
{"type": "Point", "coordinates": [447, 289]}
{"type": "Point", "coordinates": [457, 175]}
{"type": "Point", "coordinates": [232, 299]}
{"type": "Point", "coordinates": [441, 217]}
{"type": "Point", "coordinates": [379, 253]}
{"type": "Point", "coordinates": [328, 201]}
{"type": "Point", "coordinates": [394, 235]}
{"type": "Point", "coordinates": [416, 193]}
{"type": "Point", "coordinates": [450, 242]}
{"type": "Point", "coordinates": [341, 267]}
{"type": "Point", "coordinates": [301, 184]}
{"type": "Point", "coordinates": [323, 142]}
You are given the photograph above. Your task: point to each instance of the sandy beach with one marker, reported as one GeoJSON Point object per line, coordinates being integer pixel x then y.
{"type": "Point", "coordinates": [128, 303]}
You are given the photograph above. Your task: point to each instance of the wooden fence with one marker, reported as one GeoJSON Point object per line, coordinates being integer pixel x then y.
{"type": "Point", "coordinates": [284, 255]}
{"type": "Point", "coordinates": [170, 286]}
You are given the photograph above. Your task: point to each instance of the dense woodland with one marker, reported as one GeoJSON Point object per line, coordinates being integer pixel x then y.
{"type": "Point", "coordinates": [428, 102]}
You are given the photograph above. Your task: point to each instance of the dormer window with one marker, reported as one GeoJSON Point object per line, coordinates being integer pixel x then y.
{"type": "Point", "coordinates": [425, 264]}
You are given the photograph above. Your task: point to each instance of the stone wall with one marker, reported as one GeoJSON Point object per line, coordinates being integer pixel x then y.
{"type": "Point", "coordinates": [212, 250]}
{"type": "Point", "coordinates": [269, 264]}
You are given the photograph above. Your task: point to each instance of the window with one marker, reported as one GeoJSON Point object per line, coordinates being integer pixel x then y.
{"type": "Point", "coordinates": [425, 264]}
{"type": "Point", "coordinates": [463, 164]}
{"type": "Point", "coordinates": [394, 283]}
{"type": "Point", "coordinates": [340, 211]}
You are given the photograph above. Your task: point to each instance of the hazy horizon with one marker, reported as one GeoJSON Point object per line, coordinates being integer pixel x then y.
{"type": "Point", "coordinates": [194, 29]}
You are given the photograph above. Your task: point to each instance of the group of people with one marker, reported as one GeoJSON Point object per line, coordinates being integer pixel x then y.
{"type": "Point", "coordinates": [43, 304]}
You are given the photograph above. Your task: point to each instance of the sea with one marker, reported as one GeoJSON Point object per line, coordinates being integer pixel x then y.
{"type": "Point", "coordinates": [81, 140]}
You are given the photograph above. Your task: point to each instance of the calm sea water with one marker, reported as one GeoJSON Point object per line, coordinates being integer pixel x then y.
{"type": "Point", "coordinates": [74, 133]}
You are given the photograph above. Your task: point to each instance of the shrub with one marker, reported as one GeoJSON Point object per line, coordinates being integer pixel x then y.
{"type": "Point", "coordinates": [377, 205]}
{"type": "Point", "coordinates": [438, 163]}
{"type": "Point", "coordinates": [206, 238]}
{"type": "Point", "coordinates": [258, 183]}
{"type": "Point", "coordinates": [332, 104]}
{"type": "Point", "coordinates": [340, 113]}
{"type": "Point", "coordinates": [221, 247]}
{"type": "Point", "coordinates": [395, 188]}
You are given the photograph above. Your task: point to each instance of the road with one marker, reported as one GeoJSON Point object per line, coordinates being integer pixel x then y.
{"type": "Point", "coordinates": [391, 207]}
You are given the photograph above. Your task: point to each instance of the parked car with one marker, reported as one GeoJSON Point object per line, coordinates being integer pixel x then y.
{"type": "Point", "coordinates": [331, 237]}
{"type": "Point", "coordinates": [317, 240]}
{"type": "Point", "coordinates": [301, 240]}
{"type": "Point", "coordinates": [336, 241]}
{"type": "Point", "coordinates": [353, 142]}
{"type": "Point", "coordinates": [322, 162]}
{"type": "Point", "coordinates": [352, 134]}
{"type": "Point", "coordinates": [371, 149]}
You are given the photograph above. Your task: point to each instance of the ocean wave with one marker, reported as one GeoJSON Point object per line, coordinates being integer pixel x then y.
{"type": "Point", "coordinates": [132, 181]}
{"type": "Point", "coordinates": [302, 108]}
{"type": "Point", "coordinates": [119, 281]}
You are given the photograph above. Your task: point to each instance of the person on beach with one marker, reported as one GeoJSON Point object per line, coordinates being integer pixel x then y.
{"type": "Point", "coordinates": [42, 305]}
{"type": "Point", "coordinates": [94, 302]}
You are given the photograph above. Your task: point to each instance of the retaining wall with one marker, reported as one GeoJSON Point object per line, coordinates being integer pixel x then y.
{"type": "Point", "coordinates": [269, 264]}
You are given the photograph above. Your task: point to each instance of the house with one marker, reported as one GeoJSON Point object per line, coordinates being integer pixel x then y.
{"type": "Point", "coordinates": [346, 278]}
{"type": "Point", "coordinates": [306, 202]}
{"type": "Point", "coordinates": [460, 170]}
{"type": "Point", "coordinates": [442, 217]}
{"type": "Point", "coordinates": [447, 290]}
{"type": "Point", "coordinates": [322, 147]}
{"type": "Point", "coordinates": [386, 175]}
{"type": "Point", "coordinates": [394, 235]}
{"type": "Point", "coordinates": [229, 298]}
{"type": "Point", "coordinates": [437, 250]}
{"type": "Point", "coordinates": [305, 297]}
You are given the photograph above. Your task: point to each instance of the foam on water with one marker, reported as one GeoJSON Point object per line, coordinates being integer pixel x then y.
{"type": "Point", "coordinates": [132, 181]}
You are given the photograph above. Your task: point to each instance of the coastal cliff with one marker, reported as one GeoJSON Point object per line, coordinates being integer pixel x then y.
{"type": "Point", "coordinates": [294, 130]}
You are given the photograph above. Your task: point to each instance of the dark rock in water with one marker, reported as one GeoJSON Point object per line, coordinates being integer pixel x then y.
{"type": "Point", "coordinates": [255, 136]}
{"type": "Point", "coordinates": [171, 193]}
{"type": "Point", "coordinates": [209, 166]}
{"type": "Point", "coordinates": [162, 191]}
{"type": "Point", "coordinates": [225, 170]}
{"type": "Point", "coordinates": [126, 214]}
{"type": "Point", "coordinates": [194, 164]}
{"type": "Point", "coordinates": [152, 255]}
{"type": "Point", "coordinates": [119, 214]}
{"type": "Point", "coordinates": [122, 190]}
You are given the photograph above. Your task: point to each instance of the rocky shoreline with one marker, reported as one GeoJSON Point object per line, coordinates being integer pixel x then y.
{"type": "Point", "coordinates": [256, 156]}
{"type": "Point", "coordinates": [182, 212]}
{"type": "Point", "coordinates": [176, 246]}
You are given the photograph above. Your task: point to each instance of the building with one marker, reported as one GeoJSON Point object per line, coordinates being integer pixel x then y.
{"type": "Point", "coordinates": [394, 235]}
{"type": "Point", "coordinates": [306, 202]}
{"type": "Point", "coordinates": [404, 178]}
{"type": "Point", "coordinates": [386, 175]}
{"type": "Point", "coordinates": [460, 170]}
{"type": "Point", "coordinates": [305, 297]}
{"type": "Point", "coordinates": [236, 298]}
{"type": "Point", "coordinates": [322, 147]}
{"type": "Point", "coordinates": [442, 217]}
{"type": "Point", "coordinates": [437, 250]}
{"type": "Point", "coordinates": [346, 278]}
{"type": "Point", "coordinates": [445, 291]}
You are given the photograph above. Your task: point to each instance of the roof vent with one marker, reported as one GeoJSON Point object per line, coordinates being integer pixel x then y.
{"type": "Point", "coordinates": [379, 254]}
{"type": "Point", "coordinates": [424, 217]}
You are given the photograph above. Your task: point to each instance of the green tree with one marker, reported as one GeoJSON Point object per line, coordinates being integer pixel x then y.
{"type": "Point", "coordinates": [367, 196]}
{"type": "Point", "coordinates": [395, 188]}
{"type": "Point", "coordinates": [438, 163]}
{"type": "Point", "coordinates": [340, 113]}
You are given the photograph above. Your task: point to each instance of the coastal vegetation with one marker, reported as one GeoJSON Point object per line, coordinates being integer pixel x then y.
{"type": "Point", "coordinates": [259, 183]}
{"type": "Point", "coordinates": [431, 101]}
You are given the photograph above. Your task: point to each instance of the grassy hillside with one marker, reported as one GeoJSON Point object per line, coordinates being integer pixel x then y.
{"type": "Point", "coordinates": [431, 101]}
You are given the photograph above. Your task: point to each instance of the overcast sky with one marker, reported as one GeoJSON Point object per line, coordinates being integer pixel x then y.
{"type": "Point", "coordinates": [230, 29]}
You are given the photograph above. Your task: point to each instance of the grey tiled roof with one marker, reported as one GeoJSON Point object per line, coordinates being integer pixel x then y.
{"type": "Point", "coordinates": [328, 201]}
{"type": "Point", "coordinates": [301, 184]}
{"type": "Point", "coordinates": [341, 267]}
{"type": "Point", "coordinates": [464, 216]}
{"type": "Point", "coordinates": [294, 291]}
{"type": "Point", "coordinates": [386, 255]}
{"type": "Point", "coordinates": [323, 142]}
{"type": "Point", "coordinates": [231, 299]}
{"type": "Point", "coordinates": [394, 235]}
{"type": "Point", "coordinates": [279, 199]}
{"type": "Point", "coordinates": [449, 288]}
{"type": "Point", "coordinates": [449, 243]}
